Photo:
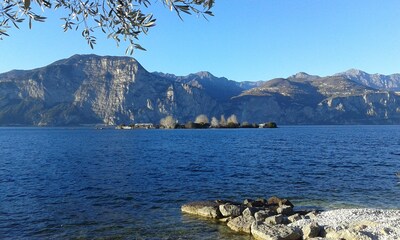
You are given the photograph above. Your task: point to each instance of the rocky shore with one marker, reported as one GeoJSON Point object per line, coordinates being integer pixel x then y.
{"type": "Point", "coordinates": [276, 219]}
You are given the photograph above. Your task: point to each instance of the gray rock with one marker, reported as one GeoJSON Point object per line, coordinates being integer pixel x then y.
{"type": "Point", "coordinates": [261, 215]}
{"type": "Point", "coordinates": [311, 230]}
{"type": "Point", "coordinates": [273, 220]}
{"type": "Point", "coordinates": [262, 200]}
{"type": "Point", "coordinates": [293, 218]}
{"type": "Point", "coordinates": [207, 209]}
{"type": "Point", "coordinates": [250, 211]}
{"type": "Point", "coordinates": [285, 210]}
{"type": "Point", "coordinates": [228, 210]}
{"type": "Point", "coordinates": [279, 201]}
{"type": "Point", "coordinates": [241, 224]}
{"type": "Point", "coordinates": [274, 232]}
{"type": "Point", "coordinates": [311, 215]}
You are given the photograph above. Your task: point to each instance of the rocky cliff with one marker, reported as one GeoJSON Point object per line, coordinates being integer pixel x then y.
{"type": "Point", "coordinates": [378, 81]}
{"type": "Point", "coordinates": [89, 89]}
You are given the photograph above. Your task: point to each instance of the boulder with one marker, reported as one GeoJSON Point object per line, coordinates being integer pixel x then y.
{"type": "Point", "coordinates": [311, 215]}
{"type": "Point", "coordinates": [230, 210]}
{"type": "Point", "coordinates": [273, 220]}
{"type": "Point", "coordinates": [260, 202]}
{"type": "Point", "coordinates": [207, 209]}
{"type": "Point", "coordinates": [279, 201]}
{"type": "Point", "coordinates": [285, 210]}
{"type": "Point", "coordinates": [264, 231]}
{"type": "Point", "coordinates": [311, 230]}
{"type": "Point", "coordinates": [293, 218]}
{"type": "Point", "coordinates": [241, 224]}
{"type": "Point", "coordinates": [261, 215]}
{"type": "Point", "coordinates": [247, 201]}
{"type": "Point", "coordinates": [250, 211]}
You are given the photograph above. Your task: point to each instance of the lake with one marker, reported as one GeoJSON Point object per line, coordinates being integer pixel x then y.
{"type": "Point", "coordinates": [80, 183]}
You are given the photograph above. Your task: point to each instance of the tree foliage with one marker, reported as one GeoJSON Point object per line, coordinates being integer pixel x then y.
{"type": "Point", "coordinates": [201, 119]}
{"type": "Point", "coordinates": [222, 122]}
{"type": "Point", "coordinates": [232, 119]}
{"type": "Point", "coordinates": [214, 122]}
{"type": "Point", "coordinates": [119, 19]}
{"type": "Point", "coordinates": [168, 122]}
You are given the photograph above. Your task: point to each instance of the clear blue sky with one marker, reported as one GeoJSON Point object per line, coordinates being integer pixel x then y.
{"type": "Point", "coordinates": [246, 40]}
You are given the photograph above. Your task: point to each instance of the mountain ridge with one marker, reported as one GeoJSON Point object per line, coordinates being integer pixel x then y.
{"type": "Point", "coordinates": [91, 89]}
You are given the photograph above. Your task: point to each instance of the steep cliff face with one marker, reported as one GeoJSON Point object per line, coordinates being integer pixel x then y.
{"type": "Point", "coordinates": [369, 108]}
{"type": "Point", "coordinates": [89, 89]}
{"type": "Point", "coordinates": [92, 89]}
{"type": "Point", "coordinates": [316, 100]}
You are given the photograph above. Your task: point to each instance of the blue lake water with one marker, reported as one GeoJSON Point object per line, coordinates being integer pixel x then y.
{"type": "Point", "coordinates": [129, 184]}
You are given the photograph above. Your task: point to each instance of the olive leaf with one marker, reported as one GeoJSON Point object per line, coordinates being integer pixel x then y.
{"type": "Point", "coordinates": [118, 19]}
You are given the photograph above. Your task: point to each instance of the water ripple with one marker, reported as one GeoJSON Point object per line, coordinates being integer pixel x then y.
{"type": "Point", "coordinates": [82, 183]}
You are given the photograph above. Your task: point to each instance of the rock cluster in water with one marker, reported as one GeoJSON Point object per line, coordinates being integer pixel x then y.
{"type": "Point", "coordinates": [263, 219]}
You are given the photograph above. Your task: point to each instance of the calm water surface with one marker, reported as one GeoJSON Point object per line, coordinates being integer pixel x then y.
{"type": "Point", "coordinates": [84, 183]}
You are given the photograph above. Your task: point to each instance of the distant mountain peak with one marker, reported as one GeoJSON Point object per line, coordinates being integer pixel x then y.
{"type": "Point", "coordinates": [204, 74]}
{"type": "Point", "coordinates": [303, 75]}
{"type": "Point", "coordinates": [166, 75]}
{"type": "Point", "coordinates": [376, 81]}
{"type": "Point", "coordinates": [77, 58]}
{"type": "Point", "coordinates": [353, 72]}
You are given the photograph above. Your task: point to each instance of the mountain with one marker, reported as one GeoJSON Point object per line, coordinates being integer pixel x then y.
{"type": "Point", "coordinates": [90, 89]}
{"type": "Point", "coordinates": [322, 100]}
{"type": "Point", "coordinates": [220, 89]}
{"type": "Point", "coordinates": [377, 81]}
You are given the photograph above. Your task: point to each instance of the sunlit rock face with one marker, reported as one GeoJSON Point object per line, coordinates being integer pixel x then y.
{"type": "Point", "coordinates": [378, 81]}
{"type": "Point", "coordinates": [327, 100]}
{"type": "Point", "coordinates": [89, 89]}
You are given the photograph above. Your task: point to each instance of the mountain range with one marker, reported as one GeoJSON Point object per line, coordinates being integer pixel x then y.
{"type": "Point", "coordinates": [91, 89]}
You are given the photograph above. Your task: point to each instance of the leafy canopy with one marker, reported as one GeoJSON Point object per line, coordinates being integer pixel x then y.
{"type": "Point", "coordinates": [119, 19]}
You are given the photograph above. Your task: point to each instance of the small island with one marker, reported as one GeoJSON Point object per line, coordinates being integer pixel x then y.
{"type": "Point", "coordinates": [201, 122]}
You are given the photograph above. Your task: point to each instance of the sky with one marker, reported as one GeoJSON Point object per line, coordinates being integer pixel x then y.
{"type": "Point", "coordinates": [246, 40]}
